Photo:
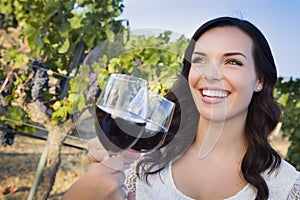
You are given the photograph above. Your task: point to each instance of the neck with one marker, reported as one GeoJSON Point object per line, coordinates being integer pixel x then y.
{"type": "Point", "coordinates": [221, 138]}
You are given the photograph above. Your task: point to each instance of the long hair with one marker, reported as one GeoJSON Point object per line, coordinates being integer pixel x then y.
{"type": "Point", "coordinates": [263, 113]}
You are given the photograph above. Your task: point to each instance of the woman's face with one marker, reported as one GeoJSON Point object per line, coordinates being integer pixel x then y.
{"type": "Point", "coordinates": [222, 77]}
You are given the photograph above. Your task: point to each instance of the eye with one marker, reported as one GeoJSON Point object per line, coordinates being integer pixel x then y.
{"type": "Point", "coordinates": [234, 62]}
{"type": "Point", "coordinates": [196, 60]}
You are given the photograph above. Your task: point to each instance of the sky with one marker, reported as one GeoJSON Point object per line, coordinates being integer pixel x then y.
{"type": "Point", "coordinates": [278, 20]}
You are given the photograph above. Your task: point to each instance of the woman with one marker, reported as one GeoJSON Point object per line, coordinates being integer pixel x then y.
{"type": "Point", "coordinates": [222, 153]}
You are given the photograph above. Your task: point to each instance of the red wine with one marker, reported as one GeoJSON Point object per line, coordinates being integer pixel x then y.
{"type": "Point", "coordinates": [151, 139]}
{"type": "Point", "coordinates": [117, 130]}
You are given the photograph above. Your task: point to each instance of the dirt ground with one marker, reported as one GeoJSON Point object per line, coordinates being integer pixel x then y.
{"type": "Point", "coordinates": [18, 164]}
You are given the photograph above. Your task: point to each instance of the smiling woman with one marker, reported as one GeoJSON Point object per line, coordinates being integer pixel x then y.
{"type": "Point", "coordinates": [218, 144]}
{"type": "Point", "coordinates": [222, 76]}
{"type": "Point", "coordinates": [231, 76]}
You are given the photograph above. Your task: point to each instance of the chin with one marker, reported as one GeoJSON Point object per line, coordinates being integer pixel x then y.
{"type": "Point", "coordinates": [213, 118]}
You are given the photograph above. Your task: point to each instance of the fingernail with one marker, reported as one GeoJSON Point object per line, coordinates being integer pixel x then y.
{"type": "Point", "coordinates": [135, 154]}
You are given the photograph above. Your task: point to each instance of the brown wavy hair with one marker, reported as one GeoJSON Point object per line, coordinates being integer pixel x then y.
{"type": "Point", "coordinates": [263, 113]}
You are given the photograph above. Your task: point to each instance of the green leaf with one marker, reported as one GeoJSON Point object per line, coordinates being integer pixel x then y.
{"type": "Point", "coordinates": [6, 7]}
{"type": "Point", "coordinates": [38, 39]}
{"type": "Point", "coordinates": [81, 103]}
{"type": "Point", "coordinates": [56, 105]}
{"type": "Point", "coordinates": [109, 34]}
{"type": "Point", "coordinates": [65, 47]}
{"type": "Point", "coordinates": [50, 9]}
{"type": "Point", "coordinates": [75, 21]}
{"type": "Point", "coordinates": [55, 121]}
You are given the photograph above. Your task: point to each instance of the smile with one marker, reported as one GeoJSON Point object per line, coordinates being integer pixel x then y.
{"type": "Point", "coordinates": [215, 93]}
{"type": "Point", "coordinates": [213, 96]}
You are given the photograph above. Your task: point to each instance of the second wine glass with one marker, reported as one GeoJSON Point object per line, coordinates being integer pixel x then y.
{"type": "Point", "coordinates": [159, 117]}
{"type": "Point", "coordinates": [121, 112]}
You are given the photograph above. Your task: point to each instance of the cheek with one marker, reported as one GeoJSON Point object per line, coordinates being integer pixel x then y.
{"type": "Point", "coordinates": [244, 85]}
{"type": "Point", "coordinates": [194, 77]}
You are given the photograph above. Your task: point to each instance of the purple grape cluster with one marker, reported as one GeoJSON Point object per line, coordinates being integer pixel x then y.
{"type": "Point", "coordinates": [6, 136]}
{"type": "Point", "coordinates": [40, 79]}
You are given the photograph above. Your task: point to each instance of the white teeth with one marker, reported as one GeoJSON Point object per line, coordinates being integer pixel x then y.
{"type": "Point", "coordinates": [214, 93]}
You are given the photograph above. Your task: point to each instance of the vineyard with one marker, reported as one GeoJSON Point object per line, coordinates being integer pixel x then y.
{"type": "Point", "coordinates": [19, 163]}
{"type": "Point", "coordinates": [54, 59]}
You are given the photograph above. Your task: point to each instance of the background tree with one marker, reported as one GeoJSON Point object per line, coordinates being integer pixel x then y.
{"type": "Point", "coordinates": [288, 94]}
{"type": "Point", "coordinates": [42, 46]}
{"type": "Point", "coordinates": [48, 41]}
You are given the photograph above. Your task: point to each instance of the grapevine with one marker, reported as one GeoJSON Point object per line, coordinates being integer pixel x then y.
{"type": "Point", "coordinates": [40, 79]}
{"type": "Point", "coordinates": [6, 136]}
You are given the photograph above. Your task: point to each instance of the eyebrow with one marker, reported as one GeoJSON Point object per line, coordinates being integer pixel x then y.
{"type": "Point", "coordinates": [226, 54]}
{"type": "Point", "coordinates": [234, 54]}
{"type": "Point", "coordinates": [199, 53]}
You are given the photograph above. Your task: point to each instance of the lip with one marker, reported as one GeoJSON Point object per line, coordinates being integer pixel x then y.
{"type": "Point", "coordinates": [214, 99]}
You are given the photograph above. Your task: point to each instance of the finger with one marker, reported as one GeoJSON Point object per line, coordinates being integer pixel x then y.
{"type": "Point", "coordinates": [131, 154]}
{"type": "Point", "coordinates": [120, 194]}
{"type": "Point", "coordinates": [129, 157]}
{"type": "Point", "coordinates": [120, 191]}
{"type": "Point", "coordinates": [113, 180]}
{"type": "Point", "coordinates": [121, 161]}
{"type": "Point", "coordinates": [96, 155]}
{"type": "Point", "coordinates": [120, 177]}
{"type": "Point", "coordinates": [94, 144]}
{"type": "Point", "coordinates": [124, 191]}
{"type": "Point", "coordinates": [115, 163]}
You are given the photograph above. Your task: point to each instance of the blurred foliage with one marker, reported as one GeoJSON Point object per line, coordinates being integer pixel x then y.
{"type": "Point", "coordinates": [154, 58]}
{"type": "Point", "coordinates": [62, 32]}
{"type": "Point", "coordinates": [54, 28]}
{"type": "Point", "coordinates": [288, 95]}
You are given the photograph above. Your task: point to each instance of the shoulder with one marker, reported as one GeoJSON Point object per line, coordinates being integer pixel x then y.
{"type": "Point", "coordinates": [160, 186]}
{"type": "Point", "coordinates": [154, 187]}
{"type": "Point", "coordinates": [285, 171]}
{"type": "Point", "coordinates": [295, 191]}
{"type": "Point", "coordinates": [281, 181]}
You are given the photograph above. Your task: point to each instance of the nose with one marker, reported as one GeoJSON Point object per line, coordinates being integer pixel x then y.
{"type": "Point", "coordinates": [212, 72]}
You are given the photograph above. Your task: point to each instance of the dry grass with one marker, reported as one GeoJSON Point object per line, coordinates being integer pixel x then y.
{"type": "Point", "coordinates": [18, 164]}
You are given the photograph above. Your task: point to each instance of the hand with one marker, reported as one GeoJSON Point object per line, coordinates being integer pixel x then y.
{"type": "Point", "coordinates": [99, 182]}
{"type": "Point", "coordinates": [105, 178]}
{"type": "Point", "coordinates": [96, 152]}
{"type": "Point", "coordinates": [121, 162]}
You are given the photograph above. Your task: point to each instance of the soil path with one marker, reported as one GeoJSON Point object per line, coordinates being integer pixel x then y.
{"type": "Point", "coordinates": [19, 161]}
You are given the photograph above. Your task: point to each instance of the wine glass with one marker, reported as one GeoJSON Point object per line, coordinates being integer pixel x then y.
{"type": "Point", "coordinates": [121, 112]}
{"type": "Point", "coordinates": [159, 117]}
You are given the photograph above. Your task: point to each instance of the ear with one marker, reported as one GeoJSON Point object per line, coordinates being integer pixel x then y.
{"type": "Point", "coordinates": [259, 86]}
